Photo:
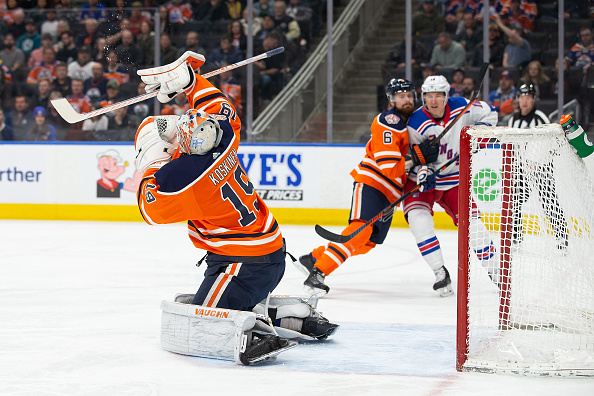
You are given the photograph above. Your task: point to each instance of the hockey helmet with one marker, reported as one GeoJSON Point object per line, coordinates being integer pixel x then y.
{"type": "Point", "coordinates": [399, 85]}
{"type": "Point", "coordinates": [435, 84]}
{"type": "Point", "coordinates": [527, 89]}
{"type": "Point", "coordinates": [197, 132]}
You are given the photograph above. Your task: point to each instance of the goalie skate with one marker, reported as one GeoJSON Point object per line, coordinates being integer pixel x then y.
{"type": "Point", "coordinates": [319, 328]}
{"type": "Point", "coordinates": [265, 347]}
{"type": "Point", "coordinates": [443, 283]}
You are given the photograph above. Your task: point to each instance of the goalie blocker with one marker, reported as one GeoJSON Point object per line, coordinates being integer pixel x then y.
{"type": "Point", "coordinates": [244, 337]}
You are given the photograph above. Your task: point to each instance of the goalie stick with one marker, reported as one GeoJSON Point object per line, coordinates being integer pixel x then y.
{"type": "Point", "coordinates": [481, 73]}
{"type": "Point", "coordinates": [324, 233]}
{"type": "Point", "coordinates": [65, 109]}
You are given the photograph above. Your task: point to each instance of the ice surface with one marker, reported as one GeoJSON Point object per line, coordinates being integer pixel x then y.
{"type": "Point", "coordinates": [79, 315]}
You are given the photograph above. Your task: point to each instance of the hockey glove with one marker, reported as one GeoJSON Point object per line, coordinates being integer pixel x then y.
{"type": "Point", "coordinates": [425, 152]}
{"type": "Point", "coordinates": [173, 78]}
{"type": "Point", "coordinates": [151, 150]}
{"type": "Point", "coordinates": [426, 179]}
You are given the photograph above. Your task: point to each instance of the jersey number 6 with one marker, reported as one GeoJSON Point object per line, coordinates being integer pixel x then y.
{"type": "Point", "coordinates": [228, 193]}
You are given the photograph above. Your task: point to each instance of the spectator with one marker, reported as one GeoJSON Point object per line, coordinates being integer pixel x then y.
{"type": "Point", "coordinates": [179, 11]}
{"type": "Point", "coordinates": [127, 51]}
{"type": "Point", "coordinates": [12, 57]}
{"type": "Point", "coordinates": [62, 83]}
{"type": "Point", "coordinates": [93, 10]}
{"type": "Point", "coordinates": [427, 70]}
{"type": "Point", "coordinates": [62, 127]}
{"type": "Point", "coordinates": [468, 87]}
{"type": "Point", "coordinates": [120, 126]}
{"type": "Point", "coordinates": [46, 68]}
{"type": "Point", "coordinates": [231, 88]}
{"type": "Point", "coordinates": [92, 126]}
{"type": "Point", "coordinates": [112, 95]}
{"type": "Point", "coordinates": [37, 54]}
{"type": "Point", "coordinates": [517, 51]}
{"type": "Point", "coordinates": [533, 74]}
{"type": "Point", "coordinates": [271, 79]}
{"type": "Point", "coordinates": [146, 45]}
{"type": "Point", "coordinates": [115, 16]}
{"type": "Point", "coordinates": [264, 7]}
{"type": "Point", "coordinates": [96, 86]}
{"type": "Point", "coordinates": [472, 35]}
{"type": "Point", "coordinates": [267, 28]}
{"type": "Point", "coordinates": [566, 93]}
{"type": "Point", "coordinates": [456, 88]}
{"type": "Point", "coordinates": [99, 51]}
{"type": "Point", "coordinates": [137, 19]}
{"type": "Point", "coordinates": [67, 12]}
{"type": "Point", "coordinates": [21, 117]}
{"type": "Point", "coordinates": [68, 53]}
{"type": "Point", "coordinates": [178, 106]}
{"type": "Point", "coordinates": [83, 67]}
{"type": "Point", "coordinates": [421, 53]}
{"type": "Point", "coordinates": [8, 11]}
{"type": "Point", "coordinates": [234, 9]}
{"type": "Point", "coordinates": [18, 26]}
{"type": "Point", "coordinates": [62, 27]}
{"type": "Point", "coordinates": [50, 25]}
{"type": "Point", "coordinates": [287, 25]}
{"type": "Point", "coordinates": [523, 13]}
{"type": "Point", "coordinates": [7, 90]}
{"type": "Point", "coordinates": [582, 53]}
{"type": "Point", "coordinates": [164, 20]}
{"type": "Point", "coordinates": [256, 21]}
{"type": "Point", "coordinates": [38, 12]}
{"type": "Point", "coordinates": [114, 70]}
{"type": "Point", "coordinates": [42, 95]}
{"type": "Point", "coordinates": [79, 101]}
{"type": "Point", "coordinates": [577, 9]}
{"type": "Point", "coordinates": [429, 21]}
{"type": "Point", "coordinates": [168, 51]}
{"type": "Point", "coordinates": [447, 53]}
{"type": "Point", "coordinates": [142, 109]}
{"type": "Point", "coordinates": [192, 44]}
{"type": "Point", "coordinates": [211, 11]}
{"type": "Point", "coordinates": [504, 93]}
{"type": "Point", "coordinates": [6, 131]}
{"type": "Point", "coordinates": [90, 35]}
{"type": "Point", "coordinates": [496, 49]}
{"type": "Point", "coordinates": [40, 129]}
{"type": "Point", "coordinates": [31, 39]}
{"type": "Point", "coordinates": [237, 37]}
{"type": "Point", "coordinates": [225, 53]}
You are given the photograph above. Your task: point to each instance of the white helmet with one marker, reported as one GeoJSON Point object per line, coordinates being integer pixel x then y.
{"type": "Point", "coordinates": [435, 84]}
{"type": "Point", "coordinates": [197, 132]}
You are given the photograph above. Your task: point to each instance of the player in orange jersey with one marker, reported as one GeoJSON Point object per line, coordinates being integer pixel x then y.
{"type": "Point", "coordinates": [191, 173]}
{"type": "Point", "coordinates": [379, 179]}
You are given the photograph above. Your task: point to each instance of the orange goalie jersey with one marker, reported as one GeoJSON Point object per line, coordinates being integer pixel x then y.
{"type": "Point", "coordinates": [211, 192]}
{"type": "Point", "coordinates": [383, 165]}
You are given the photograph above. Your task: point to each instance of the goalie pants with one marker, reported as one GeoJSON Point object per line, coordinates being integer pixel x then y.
{"type": "Point", "coordinates": [239, 285]}
{"type": "Point", "coordinates": [542, 177]}
{"type": "Point", "coordinates": [366, 203]}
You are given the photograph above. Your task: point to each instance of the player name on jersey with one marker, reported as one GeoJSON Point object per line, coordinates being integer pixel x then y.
{"type": "Point", "coordinates": [224, 168]}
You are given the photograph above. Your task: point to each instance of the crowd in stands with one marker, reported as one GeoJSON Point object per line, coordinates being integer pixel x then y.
{"type": "Point", "coordinates": [448, 40]}
{"type": "Point", "coordinates": [89, 52]}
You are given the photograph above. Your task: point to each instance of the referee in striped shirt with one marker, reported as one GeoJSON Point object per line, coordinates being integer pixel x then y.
{"type": "Point", "coordinates": [532, 175]}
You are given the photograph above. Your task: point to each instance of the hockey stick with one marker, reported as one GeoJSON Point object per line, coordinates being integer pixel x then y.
{"type": "Point", "coordinates": [65, 109]}
{"type": "Point", "coordinates": [475, 94]}
{"type": "Point", "coordinates": [324, 233]}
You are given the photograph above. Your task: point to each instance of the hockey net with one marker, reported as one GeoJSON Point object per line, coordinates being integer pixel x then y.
{"type": "Point", "coordinates": [535, 314]}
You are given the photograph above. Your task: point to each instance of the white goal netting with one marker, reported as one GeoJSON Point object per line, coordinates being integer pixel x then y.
{"type": "Point", "coordinates": [535, 313]}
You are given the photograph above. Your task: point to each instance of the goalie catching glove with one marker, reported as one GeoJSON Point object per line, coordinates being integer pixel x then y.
{"type": "Point", "coordinates": [173, 78]}
{"type": "Point", "coordinates": [426, 179]}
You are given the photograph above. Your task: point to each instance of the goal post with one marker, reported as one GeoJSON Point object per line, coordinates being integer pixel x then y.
{"type": "Point", "coordinates": [533, 315]}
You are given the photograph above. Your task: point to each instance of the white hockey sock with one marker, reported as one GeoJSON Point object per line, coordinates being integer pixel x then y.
{"type": "Point", "coordinates": [482, 245]}
{"type": "Point", "coordinates": [421, 225]}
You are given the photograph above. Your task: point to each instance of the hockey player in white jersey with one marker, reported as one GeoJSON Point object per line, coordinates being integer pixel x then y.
{"type": "Point", "coordinates": [427, 122]}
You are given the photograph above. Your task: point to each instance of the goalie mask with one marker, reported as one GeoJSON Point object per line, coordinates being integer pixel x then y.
{"type": "Point", "coordinates": [198, 133]}
{"type": "Point", "coordinates": [435, 84]}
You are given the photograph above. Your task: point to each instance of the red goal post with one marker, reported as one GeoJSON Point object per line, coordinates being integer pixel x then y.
{"type": "Point", "coordinates": [537, 315]}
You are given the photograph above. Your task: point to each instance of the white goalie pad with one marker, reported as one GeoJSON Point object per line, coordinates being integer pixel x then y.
{"type": "Point", "coordinates": [206, 332]}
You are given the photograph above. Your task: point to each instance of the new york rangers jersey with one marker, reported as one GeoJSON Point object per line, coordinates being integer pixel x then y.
{"type": "Point", "coordinates": [422, 125]}
{"type": "Point", "coordinates": [211, 192]}
{"type": "Point", "coordinates": [383, 166]}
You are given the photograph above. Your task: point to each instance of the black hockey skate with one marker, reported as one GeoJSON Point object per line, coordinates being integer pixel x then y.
{"type": "Point", "coordinates": [305, 264]}
{"type": "Point", "coordinates": [265, 347]}
{"type": "Point", "coordinates": [443, 283]}
{"type": "Point", "coordinates": [319, 328]}
{"type": "Point", "coordinates": [315, 281]}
